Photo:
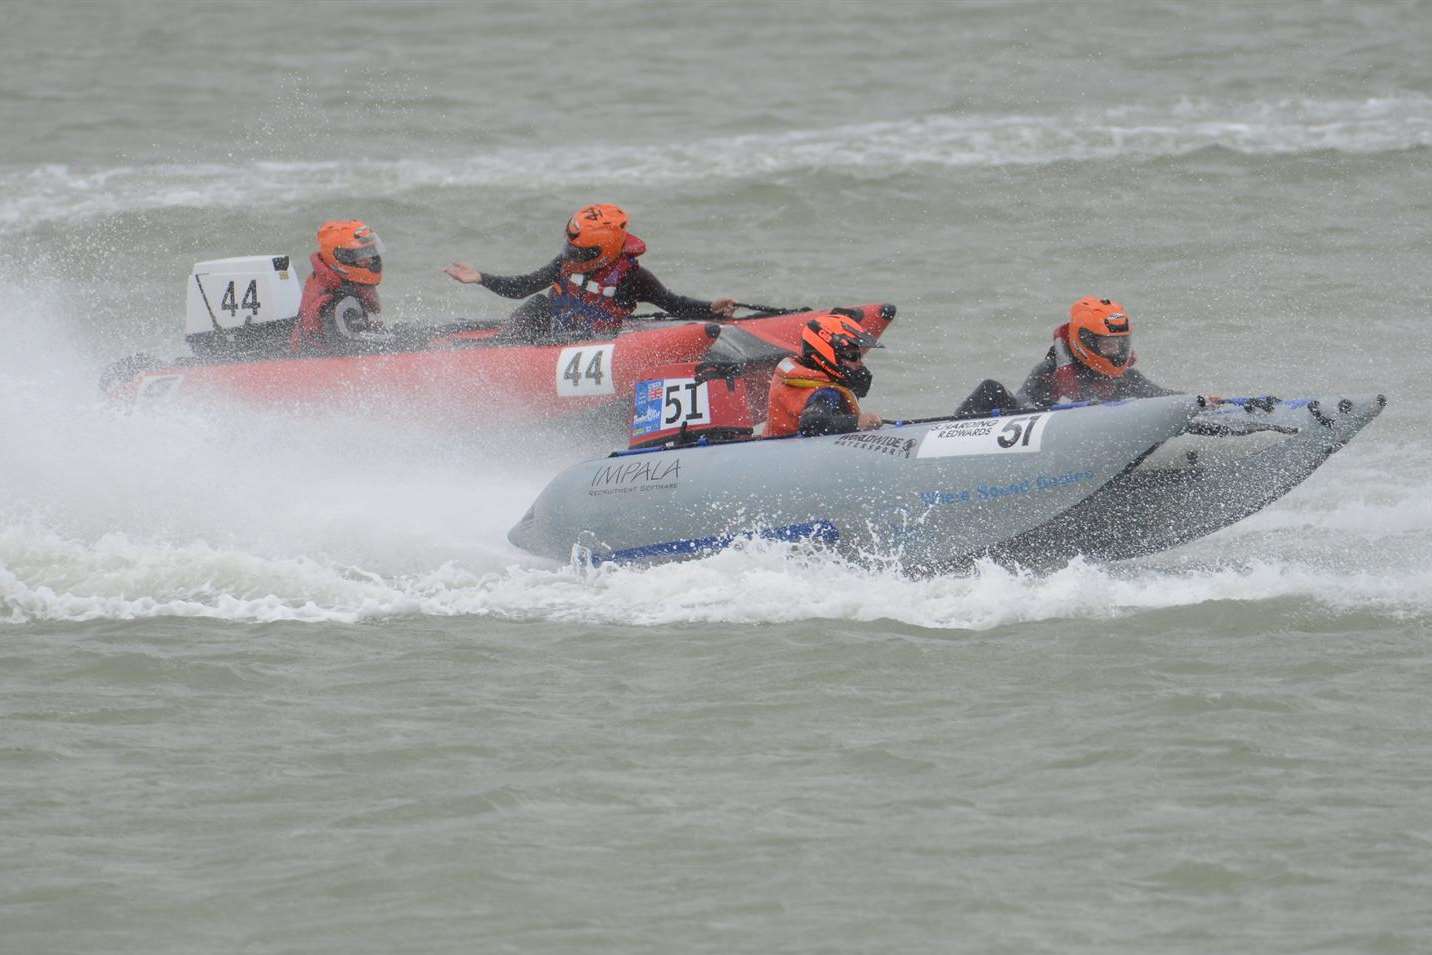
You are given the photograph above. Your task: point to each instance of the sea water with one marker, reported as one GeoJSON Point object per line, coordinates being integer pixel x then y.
{"type": "Point", "coordinates": [272, 682]}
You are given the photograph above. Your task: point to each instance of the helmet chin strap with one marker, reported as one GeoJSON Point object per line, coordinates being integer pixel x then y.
{"type": "Point", "coordinates": [858, 380]}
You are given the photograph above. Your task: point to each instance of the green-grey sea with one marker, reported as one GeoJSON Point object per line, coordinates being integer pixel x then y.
{"type": "Point", "coordinates": [274, 681]}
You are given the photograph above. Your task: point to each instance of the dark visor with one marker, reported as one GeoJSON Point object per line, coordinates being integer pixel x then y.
{"type": "Point", "coordinates": [364, 258]}
{"type": "Point", "coordinates": [854, 341]}
{"type": "Point", "coordinates": [1113, 347]}
{"type": "Point", "coordinates": [846, 349]}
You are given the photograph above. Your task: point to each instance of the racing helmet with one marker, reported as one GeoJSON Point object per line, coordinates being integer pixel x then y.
{"type": "Point", "coordinates": [352, 249]}
{"type": "Point", "coordinates": [596, 236]}
{"type": "Point", "coordinates": [834, 344]}
{"type": "Point", "coordinates": [1101, 336]}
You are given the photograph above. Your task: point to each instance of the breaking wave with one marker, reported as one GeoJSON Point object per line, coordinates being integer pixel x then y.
{"type": "Point", "coordinates": [58, 192]}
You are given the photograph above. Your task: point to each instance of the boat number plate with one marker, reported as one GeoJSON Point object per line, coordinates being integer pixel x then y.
{"type": "Point", "coordinates": [584, 370]}
{"type": "Point", "coordinates": [664, 403]}
{"type": "Point", "coordinates": [1018, 434]}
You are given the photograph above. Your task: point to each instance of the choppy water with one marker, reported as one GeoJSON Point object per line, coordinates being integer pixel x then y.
{"type": "Point", "coordinates": [279, 684]}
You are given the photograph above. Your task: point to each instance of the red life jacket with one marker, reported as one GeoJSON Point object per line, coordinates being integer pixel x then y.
{"type": "Point", "coordinates": [324, 289]}
{"type": "Point", "coordinates": [791, 388]}
{"type": "Point", "coordinates": [1074, 381]}
{"type": "Point", "coordinates": [584, 303]}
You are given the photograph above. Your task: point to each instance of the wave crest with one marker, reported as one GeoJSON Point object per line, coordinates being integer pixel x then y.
{"type": "Point", "coordinates": [57, 192]}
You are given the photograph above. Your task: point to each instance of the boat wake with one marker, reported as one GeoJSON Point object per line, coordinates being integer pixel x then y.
{"type": "Point", "coordinates": [255, 517]}
{"type": "Point", "coordinates": [45, 577]}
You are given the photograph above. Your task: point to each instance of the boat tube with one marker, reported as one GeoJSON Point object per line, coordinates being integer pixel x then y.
{"type": "Point", "coordinates": [240, 313]}
{"type": "Point", "coordinates": [1109, 481]}
{"type": "Point", "coordinates": [1234, 460]}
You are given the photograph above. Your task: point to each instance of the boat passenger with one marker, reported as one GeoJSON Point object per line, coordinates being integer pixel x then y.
{"type": "Point", "coordinates": [1091, 360]}
{"type": "Point", "coordinates": [338, 311]}
{"type": "Point", "coordinates": [592, 286]}
{"type": "Point", "coordinates": [820, 393]}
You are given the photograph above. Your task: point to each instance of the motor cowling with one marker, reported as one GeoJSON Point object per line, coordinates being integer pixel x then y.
{"type": "Point", "coordinates": [241, 306]}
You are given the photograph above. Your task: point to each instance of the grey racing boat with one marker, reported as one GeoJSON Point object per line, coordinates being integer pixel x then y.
{"type": "Point", "coordinates": [1108, 481]}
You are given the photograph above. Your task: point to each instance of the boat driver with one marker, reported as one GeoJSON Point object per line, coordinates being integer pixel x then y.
{"type": "Point", "coordinates": [592, 286]}
{"type": "Point", "coordinates": [820, 393]}
{"type": "Point", "coordinates": [1091, 360]}
{"type": "Point", "coordinates": [338, 311]}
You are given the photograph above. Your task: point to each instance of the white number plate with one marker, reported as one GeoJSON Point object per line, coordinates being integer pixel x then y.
{"type": "Point", "coordinates": [584, 370]}
{"type": "Point", "coordinates": [1017, 434]}
{"type": "Point", "coordinates": [666, 403]}
{"type": "Point", "coordinates": [684, 402]}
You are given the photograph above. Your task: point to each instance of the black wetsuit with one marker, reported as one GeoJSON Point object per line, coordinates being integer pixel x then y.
{"type": "Point", "coordinates": [827, 412]}
{"type": "Point", "coordinates": [1038, 391]}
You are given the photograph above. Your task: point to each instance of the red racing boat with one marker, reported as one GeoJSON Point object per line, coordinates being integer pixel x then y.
{"type": "Point", "coordinates": [469, 371]}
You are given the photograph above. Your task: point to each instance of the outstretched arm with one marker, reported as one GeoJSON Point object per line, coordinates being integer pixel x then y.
{"type": "Point", "coordinates": [509, 286]}
{"type": "Point", "coordinates": [645, 287]}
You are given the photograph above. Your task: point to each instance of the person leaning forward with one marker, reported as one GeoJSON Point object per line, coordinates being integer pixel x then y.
{"type": "Point", "coordinates": [820, 393]}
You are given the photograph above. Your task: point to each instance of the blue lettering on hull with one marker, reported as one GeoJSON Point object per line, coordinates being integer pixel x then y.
{"type": "Point", "coordinates": [994, 492]}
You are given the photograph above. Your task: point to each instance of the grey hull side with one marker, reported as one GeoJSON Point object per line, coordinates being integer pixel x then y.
{"type": "Point", "coordinates": [925, 495]}
{"type": "Point", "coordinates": [1196, 485]}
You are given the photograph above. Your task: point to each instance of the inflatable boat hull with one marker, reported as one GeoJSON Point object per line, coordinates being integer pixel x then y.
{"type": "Point", "coordinates": [475, 376]}
{"type": "Point", "coordinates": [924, 495]}
{"type": "Point", "coordinates": [1108, 482]}
{"type": "Point", "coordinates": [1197, 484]}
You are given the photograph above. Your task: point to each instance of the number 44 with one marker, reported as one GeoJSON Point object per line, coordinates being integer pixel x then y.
{"type": "Point", "coordinates": [593, 373]}
{"type": "Point", "coordinates": [585, 371]}
{"type": "Point", "coordinates": [250, 302]}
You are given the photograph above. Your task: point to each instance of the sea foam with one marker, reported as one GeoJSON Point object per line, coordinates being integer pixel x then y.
{"type": "Point", "coordinates": [64, 193]}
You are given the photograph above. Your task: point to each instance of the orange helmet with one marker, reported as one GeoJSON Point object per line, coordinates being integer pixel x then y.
{"type": "Point", "coordinates": [1101, 335]}
{"type": "Point", "coordinates": [596, 236]}
{"type": "Point", "coordinates": [352, 250]}
{"type": "Point", "coordinates": [834, 344]}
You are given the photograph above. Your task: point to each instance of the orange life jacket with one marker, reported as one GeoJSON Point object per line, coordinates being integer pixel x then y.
{"type": "Point", "coordinates": [791, 388]}
{"type": "Point", "coordinates": [324, 289]}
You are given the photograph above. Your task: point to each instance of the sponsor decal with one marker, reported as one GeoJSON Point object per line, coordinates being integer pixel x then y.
{"type": "Point", "coordinates": [982, 493]}
{"type": "Point", "coordinates": [880, 443]}
{"type": "Point", "coordinates": [1046, 482]}
{"type": "Point", "coordinates": [1016, 434]}
{"type": "Point", "coordinates": [667, 403]}
{"type": "Point", "coordinates": [647, 417]}
{"type": "Point", "coordinates": [635, 476]}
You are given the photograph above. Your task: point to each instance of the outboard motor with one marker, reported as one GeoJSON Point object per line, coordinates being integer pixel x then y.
{"type": "Point", "coordinates": [690, 403]}
{"type": "Point", "coordinates": [241, 307]}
